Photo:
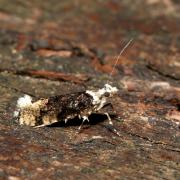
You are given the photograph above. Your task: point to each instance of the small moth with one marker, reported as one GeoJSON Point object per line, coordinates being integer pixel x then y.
{"type": "Point", "coordinates": [47, 111]}
{"type": "Point", "coordinates": [63, 107]}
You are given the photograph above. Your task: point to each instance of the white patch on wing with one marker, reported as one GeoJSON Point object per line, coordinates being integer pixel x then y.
{"type": "Point", "coordinates": [24, 102]}
{"type": "Point", "coordinates": [95, 95]}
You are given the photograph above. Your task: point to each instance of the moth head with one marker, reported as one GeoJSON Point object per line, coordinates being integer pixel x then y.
{"type": "Point", "coordinates": [100, 96]}
{"type": "Point", "coordinates": [109, 91]}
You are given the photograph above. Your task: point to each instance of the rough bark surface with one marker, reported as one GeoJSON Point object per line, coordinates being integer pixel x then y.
{"type": "Point", "coordinates": [57, 47]}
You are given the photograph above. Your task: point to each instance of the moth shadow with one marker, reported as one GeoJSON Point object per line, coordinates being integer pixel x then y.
{"type": "Point", "coordinates": [93, 120]}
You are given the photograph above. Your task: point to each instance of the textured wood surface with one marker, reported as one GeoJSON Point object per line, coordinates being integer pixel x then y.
{"type": "Point", "coordinates": [57, 47]}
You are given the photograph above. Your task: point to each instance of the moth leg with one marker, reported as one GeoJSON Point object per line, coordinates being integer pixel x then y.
{"type": "Point", "coordinates": [85, 118]}
{"type": "Point", "coordinates": [112, 126]}
{"type": "Point", "coordinates": [110, 121]}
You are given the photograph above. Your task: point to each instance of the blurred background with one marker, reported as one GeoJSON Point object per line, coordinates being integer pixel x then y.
{"type": "Point", "coordinates": [65, 28]}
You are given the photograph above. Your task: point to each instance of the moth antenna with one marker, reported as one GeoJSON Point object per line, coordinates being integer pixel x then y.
{"type": "Point", "coordinates": [117, 58]}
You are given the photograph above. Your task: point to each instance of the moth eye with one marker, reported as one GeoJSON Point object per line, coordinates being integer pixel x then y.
{"type": "Point", "coordinates": [106, 94]}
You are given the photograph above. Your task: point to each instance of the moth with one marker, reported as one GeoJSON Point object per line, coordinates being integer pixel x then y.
{"type": "Point", "coordinates": [47, 111]}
